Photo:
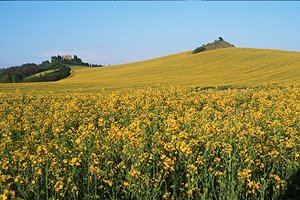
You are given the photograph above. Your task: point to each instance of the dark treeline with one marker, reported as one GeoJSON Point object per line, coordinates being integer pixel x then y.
{"type": "Point", "coordinates": [24, 73]}
{"type": "Point", "coordinates": [199, 49]}
{"type": "Point", "coordinates": [53, 75]}
{"type": "Point", "coordinates": [19, 73]}
{"type": "Point", "coordinates": [58, 69]}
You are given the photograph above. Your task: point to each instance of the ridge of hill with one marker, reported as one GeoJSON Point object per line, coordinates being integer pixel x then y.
{"type": "Point", "coordinates": [233, 67]}
{"type": "Point", "coordinates": [228, 66]}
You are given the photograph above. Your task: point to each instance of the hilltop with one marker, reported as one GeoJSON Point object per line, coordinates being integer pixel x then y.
{"type": "Point", "coordinates": [217, 44]}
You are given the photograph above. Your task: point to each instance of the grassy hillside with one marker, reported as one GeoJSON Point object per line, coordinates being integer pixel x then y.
{"type": "Point", "coordinates": [229, 66]}
{"type": "Point", "coordinates": [234, 66]}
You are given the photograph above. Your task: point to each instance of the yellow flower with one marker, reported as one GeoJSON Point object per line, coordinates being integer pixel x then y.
{"type": "Point", "coordinates": [253, 186]}
{"type": "Point", "coordinates": [125, 183]}
{"type": "Point", "coordinates": [134, 172]}
{"type": "Point", "coordinates": [190, 192]}
{"type": "Point", "coordinates": [39, 172]}
{"type": "Point", "coordinates": [16, 179]}
{"type": "Point", "coordinates": [166, 195]}
{"type": "Point", "coordinates": [3, 197]}
{"type": "Point", "coordinates": [109, 182]}
{"type": "Point", "coordinates": [246, 173]}
{"type": "Point", "coordinates": [74, 188]}
{"type": "Point", "coordinates": [58, 186]}
{"type": "Point", "coordinates": [218, 173]}
{"type": "Point", "coordinates": [78, 140]}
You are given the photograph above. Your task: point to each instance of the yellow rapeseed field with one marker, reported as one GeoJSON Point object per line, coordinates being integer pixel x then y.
{"type": "Point", "coordinates": [170, 143]}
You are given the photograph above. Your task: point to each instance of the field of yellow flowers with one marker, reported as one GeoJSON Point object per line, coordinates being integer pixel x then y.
{"type": "Point", "coordinates": [150, 144]}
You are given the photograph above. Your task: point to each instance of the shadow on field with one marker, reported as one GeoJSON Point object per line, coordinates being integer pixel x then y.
{"type": "Point", "coordinates": [293, 190]}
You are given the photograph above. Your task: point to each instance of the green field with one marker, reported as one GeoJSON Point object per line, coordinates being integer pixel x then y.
{"type": "Point", "coordinates": [224, 67]}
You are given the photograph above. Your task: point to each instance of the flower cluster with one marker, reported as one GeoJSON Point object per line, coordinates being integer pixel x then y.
{"type": "Point", "coordinates": [150, 143]}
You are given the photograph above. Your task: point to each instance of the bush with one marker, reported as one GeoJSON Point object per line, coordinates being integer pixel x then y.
{"type": "Point", "coordinates": [198, 50]}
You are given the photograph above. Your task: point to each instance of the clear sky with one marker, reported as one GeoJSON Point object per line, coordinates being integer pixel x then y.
{"type": "Point", "coordinates": [121, 32]}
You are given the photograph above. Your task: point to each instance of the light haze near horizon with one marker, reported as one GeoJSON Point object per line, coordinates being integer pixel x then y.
{"type": "Point", "coordinates": [121, 32]}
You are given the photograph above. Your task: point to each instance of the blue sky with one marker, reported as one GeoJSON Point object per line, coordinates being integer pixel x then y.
{"type": "Point", "coordinates": [121, 32]}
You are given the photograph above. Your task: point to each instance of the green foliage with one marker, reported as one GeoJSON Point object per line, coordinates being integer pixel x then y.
{"type": "Point", "coordinates": [198, 50]}
{"type": "Point", "coordinates": [26, 72]}
{"type": "Point", "coordinates": [55, 58]}
{"type": "Point", "coordinates": [57, 69]}
{"type": "Point", "coordinates": [74, 61]}
{"type": "Point", "coordinates": [45, 65]}
{"type": "Point", "coordinates": [95, 65]}
{"type": "Point", "coordinates": [217, 44]}
{"type": "Point", "coordinates": [60, 72]}
{"type": "Point", "coordinates": [18, 74]}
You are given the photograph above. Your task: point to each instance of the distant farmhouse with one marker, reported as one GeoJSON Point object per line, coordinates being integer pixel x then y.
{"type": "Point", "coordinates": [71, 60]}
{"type": "Point", "coordinates": [64, 57]}
{"type": "Point", "coordinates": [67, 57]}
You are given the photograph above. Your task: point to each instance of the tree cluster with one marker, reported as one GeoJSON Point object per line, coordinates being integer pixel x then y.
{"type": "Point", "coordinates": [74, 61]}
{"type": "Point", "coordinates": [218, 43]}
{"type": "Point", "coordinates": [19, 73]}
{"type": "Point", "coordinates": [59, 69]}
{"type": "Point", "coordinates": [199, 49]}
{"type": "Point", "coordinates": [54, 75]}
{"type": "Point", "coordinates": [95, 65]}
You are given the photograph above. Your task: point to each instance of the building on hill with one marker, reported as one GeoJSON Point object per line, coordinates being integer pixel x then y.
{"type": "Point", "coordinates": [67, 57]}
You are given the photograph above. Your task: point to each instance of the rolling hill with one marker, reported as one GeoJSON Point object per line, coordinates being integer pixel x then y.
{"type": "Point", "coordinates": [222, 67]}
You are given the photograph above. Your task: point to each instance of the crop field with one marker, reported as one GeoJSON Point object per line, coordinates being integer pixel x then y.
{"type": "Point", "coordinates": [234, 67]}
{"type": "Point", "coordinates": [229, 66]}
{"type": "Point", "coordinates": [159, 143]}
